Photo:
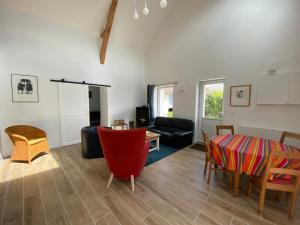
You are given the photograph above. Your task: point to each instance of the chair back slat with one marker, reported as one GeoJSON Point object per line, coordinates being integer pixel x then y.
{"type": "Point", "coordinates": [291, 172]}
{"type": "Point", "coordinates": [224, 127]}
{"type": "Point", "coordinates": [294, 154]}
{"type": "Point", "coordinates": [286, 134]}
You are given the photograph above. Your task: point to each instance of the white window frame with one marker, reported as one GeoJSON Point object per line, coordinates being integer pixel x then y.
{"type": "Point", "coordinates": [203, 100]}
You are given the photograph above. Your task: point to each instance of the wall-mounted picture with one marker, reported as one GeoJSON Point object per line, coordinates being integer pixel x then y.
{"type": "Point", "coordinates": [24, 88]}
{"type": "Point", "coordinates": [240, 95]}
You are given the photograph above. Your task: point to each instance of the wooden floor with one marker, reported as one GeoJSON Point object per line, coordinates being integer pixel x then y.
{"type": "Point", "coordinates": [62, 188]}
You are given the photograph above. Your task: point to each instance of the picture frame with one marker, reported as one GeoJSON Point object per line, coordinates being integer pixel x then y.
{"type": "Point", "coordinates": [240, 96]}
{"type": "Point", "coordinates": [24, 88]}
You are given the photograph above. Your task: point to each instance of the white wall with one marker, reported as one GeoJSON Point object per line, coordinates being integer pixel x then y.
{"type": "Point", "coordinates": [236, 39]}
{"type": "Point", "coordinates": [31, 45]}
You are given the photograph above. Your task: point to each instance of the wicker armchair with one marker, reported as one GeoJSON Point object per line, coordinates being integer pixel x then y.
{"type": "Point", "coordinates": [28, 142]}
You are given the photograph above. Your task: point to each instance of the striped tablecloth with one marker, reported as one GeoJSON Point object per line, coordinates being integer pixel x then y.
{"type": "Point", "coordinates": [247, 154]}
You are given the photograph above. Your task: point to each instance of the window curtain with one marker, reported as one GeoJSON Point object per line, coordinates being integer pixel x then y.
{"type": "Point", "coordinates": [150, 102]}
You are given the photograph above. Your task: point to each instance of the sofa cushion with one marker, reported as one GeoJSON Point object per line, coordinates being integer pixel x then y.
{"type": "Point", "coordinates": [183, 124]}
{"type": "Point", "coordinates": [168, 129]}
{"type": "Point", "coordinates": [162, 133]}
{"type": "Point", "coordinates": [166, 134]}
{"type": "Point", "coordinates": [163, 121]}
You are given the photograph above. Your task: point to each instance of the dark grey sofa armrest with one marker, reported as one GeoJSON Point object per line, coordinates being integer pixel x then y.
{"type": "Point", "coordinates": [151, 127]}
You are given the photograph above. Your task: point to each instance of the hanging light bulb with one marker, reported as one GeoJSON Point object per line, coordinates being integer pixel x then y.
{"type": "Point", "coordinates": [146, 10]}
{"type": "Point", "coordinates": [135, 15]}
{"type": "Point", "coordinates": [163, 3]}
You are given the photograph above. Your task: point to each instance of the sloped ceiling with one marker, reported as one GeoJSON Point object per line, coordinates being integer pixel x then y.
{"type": "Point", "coordinates": [89, 16]}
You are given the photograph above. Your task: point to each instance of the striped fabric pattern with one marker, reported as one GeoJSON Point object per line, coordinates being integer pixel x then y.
{"type": "Point", "coordinates": [247, 154]}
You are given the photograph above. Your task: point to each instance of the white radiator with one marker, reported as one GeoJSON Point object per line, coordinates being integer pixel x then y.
{"type": "Point", "coordinates": [269, 133]}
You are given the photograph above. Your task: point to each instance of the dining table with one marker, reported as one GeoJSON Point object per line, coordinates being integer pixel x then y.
{"type": "Point", "coordinates": [246, 154]}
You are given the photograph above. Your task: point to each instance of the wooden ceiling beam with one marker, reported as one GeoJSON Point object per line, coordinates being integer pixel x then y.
{"type": "Point", "coordinates": [106, 33]}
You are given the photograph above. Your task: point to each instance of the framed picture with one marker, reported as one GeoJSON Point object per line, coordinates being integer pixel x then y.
{"type": "Point", "coordinates": [240, 95]}
{"type": "Point", "coordinates": [24, 88]}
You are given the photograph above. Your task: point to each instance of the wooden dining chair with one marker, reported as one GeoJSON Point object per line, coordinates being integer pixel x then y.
{"type": "Point", "coordinates": [224, 127]}
{"type": "Point", "coordinates": [286, 134]}
{"type": "Point", "coordinates": [210, 163]}
{"type": "Point", "coordinates": [290, 185]}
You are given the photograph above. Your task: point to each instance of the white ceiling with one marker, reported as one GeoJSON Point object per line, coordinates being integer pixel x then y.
{"type": "Point", "coordinates": [89, 16]}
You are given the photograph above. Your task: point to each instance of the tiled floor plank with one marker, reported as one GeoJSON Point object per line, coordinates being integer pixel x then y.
{"type": "Point", "coordinates": [13, 203]}
{"type": "Point", "coordinates": [239, 212]}
{"type": "Point", "coordinates": [164, 209]}
{"type": "Point", "coordinates": [109, 219]}
{"type": "Point", "coordinates": [130, 198]}
{"type": "Point", "coordinates": [73, 205]}
{"type": "Point", "coordinates": [33, 210]}
{"type": "Point", "coordinates": [52, 202]}
{"type": "Point", "coordinates": [155, 219]}
{"type": "Point", "coordinates": [121, 211]}
{"type": "Point", "coordinates": [89, 197]}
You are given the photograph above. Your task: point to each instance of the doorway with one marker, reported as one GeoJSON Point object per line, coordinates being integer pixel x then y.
{"type": "Point", "coordinates": [95, 106]}
{"type": "Point", "coordinates": [210, 106]}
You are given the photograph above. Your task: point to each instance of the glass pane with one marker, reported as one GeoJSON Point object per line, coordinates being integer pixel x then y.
{"type": "Point", "coordinates": [213, 101]}
{"type": "Point", "coordinates": [166, 101]}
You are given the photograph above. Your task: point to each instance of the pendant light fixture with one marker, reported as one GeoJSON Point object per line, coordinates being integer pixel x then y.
{"type": "Point", "coordinates": [135, 15]}
{"type": "Point", "coordinates": [146, 10]}
{"type": "Point", "coordinates": [163, 3]}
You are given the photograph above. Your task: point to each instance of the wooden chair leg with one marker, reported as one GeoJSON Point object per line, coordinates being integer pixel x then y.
{"type": "Point", "coordinates": [230, 180]}
{"type": "Point", "coordinates": [111, 177]}
{"type": "Point", "coordinates": [261, 200]}
{"type": "Point", "coordinates": [205, 167]}
{"type": "Point", "coordinates": [132, 182]}
{"type": "Point", "coordinates": [250, 187]}
{"type": "Point", "coordinates": [236, 183]}
{"type": "Point", "coordinates": [209, 172]}
{"type": "Point", "coordinates": [293, 205]}
{"type": "Point", "coordinates": [216, 167]}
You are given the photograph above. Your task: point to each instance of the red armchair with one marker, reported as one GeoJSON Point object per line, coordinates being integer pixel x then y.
{"type": "Point", "coordinates": [125, 152]}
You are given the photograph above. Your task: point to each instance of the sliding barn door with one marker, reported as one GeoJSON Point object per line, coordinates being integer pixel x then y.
{"type": "Point", "coordinates": [74, 112]}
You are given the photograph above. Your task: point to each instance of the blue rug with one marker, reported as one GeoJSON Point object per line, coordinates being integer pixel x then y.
{"type": "Point", "coordinates": [163, 152]}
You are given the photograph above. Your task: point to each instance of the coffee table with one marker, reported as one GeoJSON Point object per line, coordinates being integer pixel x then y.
{"type": "Point", "coordinates": [151, 136]}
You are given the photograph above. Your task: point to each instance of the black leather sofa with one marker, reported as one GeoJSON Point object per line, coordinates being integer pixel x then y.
{"type": "Point", "coordinates": [174, 132]}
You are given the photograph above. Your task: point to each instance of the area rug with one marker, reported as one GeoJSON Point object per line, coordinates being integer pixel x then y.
{"type": "Point", "coordinates": [163, 152]}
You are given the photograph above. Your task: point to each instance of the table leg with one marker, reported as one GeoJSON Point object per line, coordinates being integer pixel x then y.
{"type": "Point", "coordinates": [157, 144]}
{"type": "Point", "coordinates": [236, 183]}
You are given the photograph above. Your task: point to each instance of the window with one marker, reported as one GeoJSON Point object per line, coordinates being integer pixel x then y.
{"type": "Point", "coordinates": [165, 101]}
{"type": "Point", "coordinates": [213, 101]}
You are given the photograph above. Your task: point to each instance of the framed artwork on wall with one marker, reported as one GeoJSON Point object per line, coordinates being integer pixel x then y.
{"type": "Point", "coordinates": [240, 95]}
{"type": "Point", "coordinates": [24, 88]}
